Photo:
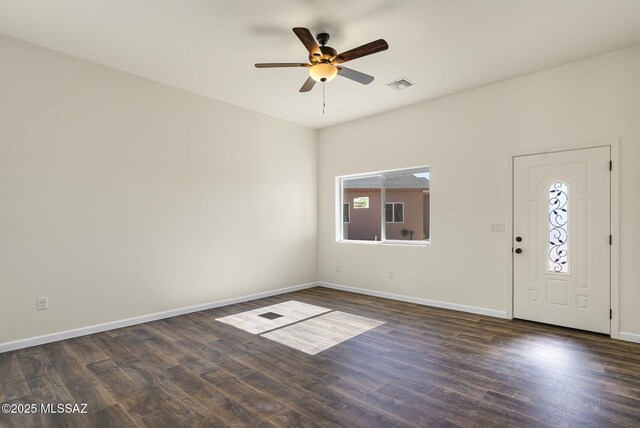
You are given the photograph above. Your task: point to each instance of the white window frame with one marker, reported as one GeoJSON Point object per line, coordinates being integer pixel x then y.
{"type": "Point", "coordinates": [383, 241]}
{"type": "Point", "coordinates": [393, 212]}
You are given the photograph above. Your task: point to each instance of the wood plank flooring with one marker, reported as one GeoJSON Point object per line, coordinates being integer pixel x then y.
{"type": "Point", "coordinates": [423, 367]}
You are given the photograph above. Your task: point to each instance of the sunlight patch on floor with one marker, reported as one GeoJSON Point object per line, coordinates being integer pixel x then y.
{"type": "Point", "coordinates": [261, 320]}
{"type": "Point", "coordinates": [307, 328]}
{"type": "Point", "coordinates": [323, 332]}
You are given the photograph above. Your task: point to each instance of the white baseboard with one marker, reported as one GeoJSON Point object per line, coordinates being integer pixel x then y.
{"type": "Point", "coordinates": [629, 337]}
{"type": "Point", "coordinates": [83, 331]}
{"type": "Point", "coordinates": [418, 300]}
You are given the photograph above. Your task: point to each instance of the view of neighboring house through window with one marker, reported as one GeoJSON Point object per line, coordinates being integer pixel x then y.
{"type": "Point", "coordinates": [385, 206]}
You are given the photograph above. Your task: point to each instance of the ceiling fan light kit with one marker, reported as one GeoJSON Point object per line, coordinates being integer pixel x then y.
{"type": "Point", "coordinates": [323, 72]}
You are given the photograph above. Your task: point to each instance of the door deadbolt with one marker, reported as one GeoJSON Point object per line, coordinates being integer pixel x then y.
{"type": "Point", "coordinates": [518, 238]}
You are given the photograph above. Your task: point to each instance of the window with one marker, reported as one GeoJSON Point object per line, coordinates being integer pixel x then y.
{"type": "Point", "coordinates": [558, 228]}
{"type": "Point", "coordinates": [388, 206]}
{"type": "Point", "coordinates": [361, 202]}
{"type": "Point", "coordinates": [394, 212]}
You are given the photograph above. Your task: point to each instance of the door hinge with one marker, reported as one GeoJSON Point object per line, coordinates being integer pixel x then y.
{"type": "Point", "coordinates": [610, 314]}
{"type": "Point", "coordinates": [610, 165]}
{"type": "Point", "coordinates": [610, 239]}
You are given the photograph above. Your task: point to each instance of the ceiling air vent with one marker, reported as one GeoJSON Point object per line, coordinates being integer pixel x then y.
{"type": "Point", "coordinates": [401, 83]}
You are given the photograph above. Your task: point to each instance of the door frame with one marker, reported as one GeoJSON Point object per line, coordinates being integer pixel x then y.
{"type": "Point", "coordinates": [614, 273]}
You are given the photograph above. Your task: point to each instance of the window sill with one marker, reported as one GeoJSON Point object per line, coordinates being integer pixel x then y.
{"type": "Point", "coordinates": [388, 243]}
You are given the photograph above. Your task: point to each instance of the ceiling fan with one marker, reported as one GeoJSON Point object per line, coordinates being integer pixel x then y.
{"type": "Point", "coordinates": [325, 62]}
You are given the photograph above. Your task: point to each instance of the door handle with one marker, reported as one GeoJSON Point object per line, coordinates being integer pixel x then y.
{"type": "Point", "coordinates": [518, 250]}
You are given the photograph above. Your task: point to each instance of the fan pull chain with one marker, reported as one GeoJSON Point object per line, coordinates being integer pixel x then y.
{"type": "Point", "coordinates": [323, 98]}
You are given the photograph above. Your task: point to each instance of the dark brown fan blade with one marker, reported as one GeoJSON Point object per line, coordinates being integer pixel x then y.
{"type": "Point", "coordinates": [281, 64]}
{"type": "Point", "coordinates": [357, 76]}
{"type": "Point", "coordinates": [308, 85]}
{"type": "Point", "coordinates": [364, 50]}
{"type": "Point", "coordinates": [307, 40]}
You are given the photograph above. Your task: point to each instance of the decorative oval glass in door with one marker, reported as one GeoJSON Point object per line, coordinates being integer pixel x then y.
{"type": "Point", "coordinates": [558, 228]}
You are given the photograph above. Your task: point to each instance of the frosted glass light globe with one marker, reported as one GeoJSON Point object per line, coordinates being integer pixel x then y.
{"type": "Point", "coordinates": [323, 72]}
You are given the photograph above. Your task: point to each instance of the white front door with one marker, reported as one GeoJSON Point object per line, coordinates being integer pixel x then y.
{"type": "Point", "coordinates": [561, 232]}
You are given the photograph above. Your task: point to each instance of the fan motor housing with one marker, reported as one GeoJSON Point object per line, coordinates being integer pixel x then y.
{"type": "Point", "coordinates": [328, 53]}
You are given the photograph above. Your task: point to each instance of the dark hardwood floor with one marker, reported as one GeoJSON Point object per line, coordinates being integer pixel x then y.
{"type": "Point", "coordinates": [424, 367]}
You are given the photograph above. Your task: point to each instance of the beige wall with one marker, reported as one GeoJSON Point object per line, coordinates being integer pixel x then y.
{"type": "Point", "coordinates": [122, 197]}
{"type": "Point", "coordinates": [467, 140]}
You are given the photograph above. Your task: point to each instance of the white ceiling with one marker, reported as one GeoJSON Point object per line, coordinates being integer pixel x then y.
{"type": "Point", "coordinates": [209, 46]}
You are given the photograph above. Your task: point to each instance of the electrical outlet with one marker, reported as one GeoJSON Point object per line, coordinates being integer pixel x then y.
{"type": "Point", "coordinates": [337, 268]}
{"type": "Point", "coordinates": [42, 303]}
{"type": "Point", "coordinates": [390, 274]}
